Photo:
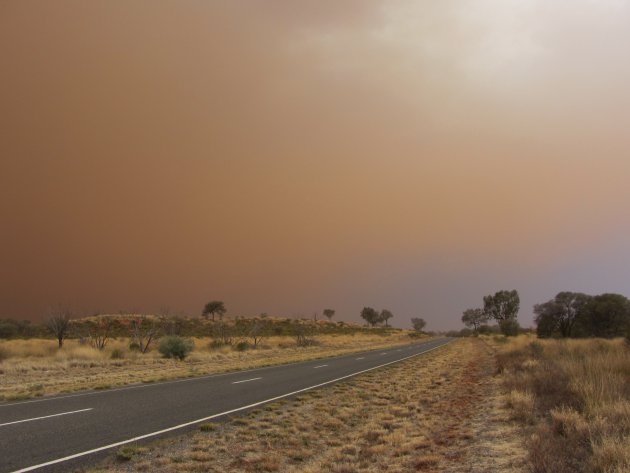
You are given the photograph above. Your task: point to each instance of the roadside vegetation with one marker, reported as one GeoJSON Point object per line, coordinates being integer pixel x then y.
{"type": "Point", "coordinates": [108, 351]}
{"type": "Point", "coordinates": [442, 411]}
{"type": "Point", "coordinates": [572, 398]}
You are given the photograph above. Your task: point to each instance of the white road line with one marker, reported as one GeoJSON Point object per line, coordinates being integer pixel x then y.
{"type": "Point", "coordinates": [45, 417]}
{"type": "Point", "coordinates": [245, 380]}
{"type": "Point", "coordinates": [320, 366]}
{"type": "Point", "coordinates": [361, 358]}
{"type": "Point", "coordinates": [214, 416]}
{"type": "Point", "coordinates": [384, 353]}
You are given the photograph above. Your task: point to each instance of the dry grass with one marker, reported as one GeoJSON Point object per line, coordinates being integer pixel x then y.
{"type": "Point", "coordinates": [36, 367]}
{"type": "Point", "coordinates": [579, 402]}
{"type": "Point", "coordinates": [438, 412]}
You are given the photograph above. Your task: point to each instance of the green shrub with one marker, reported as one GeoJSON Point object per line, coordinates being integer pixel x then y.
{"type": "Point", "coordinates": [134, 346]}
{"type": "Point", "coordinates": [175, 347]}
{"type": "Point", "coordinates": [242, 346]}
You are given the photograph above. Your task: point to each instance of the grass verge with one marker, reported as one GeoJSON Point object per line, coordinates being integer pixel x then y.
{"type": "Point", "coordinates": [36, 367]}
{"type": "Point", "coordinates": [573, 397]}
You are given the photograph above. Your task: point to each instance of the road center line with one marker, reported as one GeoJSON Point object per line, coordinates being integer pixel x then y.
{"type": "Point", "coordinates": [220, 414]}
{"type": "Point", "coordinates": [45, 417]}
{"type": "Point", "coordinates": [361, 358]}
{"type": "Point", "coordinates": [384, 353]}
{"type": "Point", "coordinates": [246, 380]}
{"type": "Point", "coordinates": [320, 366]}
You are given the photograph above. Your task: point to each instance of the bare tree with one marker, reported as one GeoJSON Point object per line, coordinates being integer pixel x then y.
{"type": "Point", "coordinates": [143, 332]}
{"type": "Point", "coordinates": [257, 331]}
{"type": "Point", "coordinates": [58, 323]}
{"type": "Point", "coordinates": [99, 331]}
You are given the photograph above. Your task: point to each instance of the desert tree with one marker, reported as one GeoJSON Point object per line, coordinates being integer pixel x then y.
{"type": "Point", "coordinates": [503, 307]}
{"type": "Point", "coordinates": [418, 323]}
{"type": "Point", "coordinates": [560, 314]}
{"type": "Point", "coordinates": [474, 318]}
{"type": "Point", "coordinates": [371, 316]}
{"type": "Point", "coordinates": [143, 332]}
{"type": "Point", "coordinates": [385, 316]}
{"type": "Point", "coordinates": [329, 313]}
{"type": "Point", "coordinates": [213, 308]}
{"type": "Point", "coordinates": [606, 315]}
{"type": "Point", "coordinates": [99, 331]}
{"type": "Point", "coordinates": [257, 331]}
{"type": "Point", "coordinates": [58, 322]}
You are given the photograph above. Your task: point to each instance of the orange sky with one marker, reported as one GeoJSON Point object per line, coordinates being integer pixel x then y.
{"type": "Point", "coordinates": [286, 156]}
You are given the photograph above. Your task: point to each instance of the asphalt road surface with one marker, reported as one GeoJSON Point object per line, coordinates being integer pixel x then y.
{"type": "Point", "coordinates": [61, 432]}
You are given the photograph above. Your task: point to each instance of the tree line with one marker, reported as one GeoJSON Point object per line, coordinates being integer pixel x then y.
{"type": "Point", "coordinates": [575, 314]}
{"type": "Point", "coordinates": [568, 314]}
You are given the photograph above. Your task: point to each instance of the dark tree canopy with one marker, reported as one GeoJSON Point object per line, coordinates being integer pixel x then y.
{"type": "Point", "coordinates": [474, 318]}
{"type": "Point", "coordinates": [214, 308]}
{"type": "Point", "coordinates": [559, 315]}
{"type": "Point", "coordinates": [503, 305]}
{"type": "Point", "coordinates": [606, 315]}
{"type": "Point", "coordinates": [573, 314]}
{"type": "Point", "coordinates": [418, 323]}
{"type": "Point", "coordinates": [329, 313]}
{"type": "Point", "coordinates": [385, 316]}
{"type": "Point", "coordinates": [370, 315]}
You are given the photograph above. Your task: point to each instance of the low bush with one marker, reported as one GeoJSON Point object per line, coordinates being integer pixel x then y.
{"type": "Point", "coordinates": [126, 452]}
{"type": "Point", "coordinates": [175, 347]}
{"type": "Point", "coordinates": [117, 354]}
{"type": "Point", "coordinates": [242, 346]}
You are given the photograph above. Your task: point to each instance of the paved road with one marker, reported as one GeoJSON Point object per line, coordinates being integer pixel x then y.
{"type": "Point", "coordinates": [55, 433]}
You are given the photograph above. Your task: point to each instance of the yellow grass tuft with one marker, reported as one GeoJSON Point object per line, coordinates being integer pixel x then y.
{"type": "Point", "coordinates": [583, 388]}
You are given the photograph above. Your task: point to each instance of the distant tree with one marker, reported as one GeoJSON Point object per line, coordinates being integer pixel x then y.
{"type": "Point", "coordinates": [58, 322]}
{"type": "Point", "coordinates": [503, 305]}
{"type": "Point", "coordinates": [8, 329]}
{"type": "Point", "coordinates": [418, 324]}
{"type": "Point", "coordinates": [474, 318]}
{"type": "Point", "coordinates": [385, 316]}
{"type": "Point", "coordinates": [214, 307]}
{"type": "Point", "coordinates": [560, 314]}
{"type": "Point", "coordinates": [329, 313]}
{"type": "Point", "coordinates": [371, 316]}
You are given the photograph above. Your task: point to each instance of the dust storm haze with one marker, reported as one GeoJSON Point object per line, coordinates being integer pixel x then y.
{"type": "Point", "coordinates": [286, 156]}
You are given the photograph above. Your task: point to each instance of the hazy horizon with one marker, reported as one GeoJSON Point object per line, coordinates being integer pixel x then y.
{"type": "Point", "coordinates": [288, 156]}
